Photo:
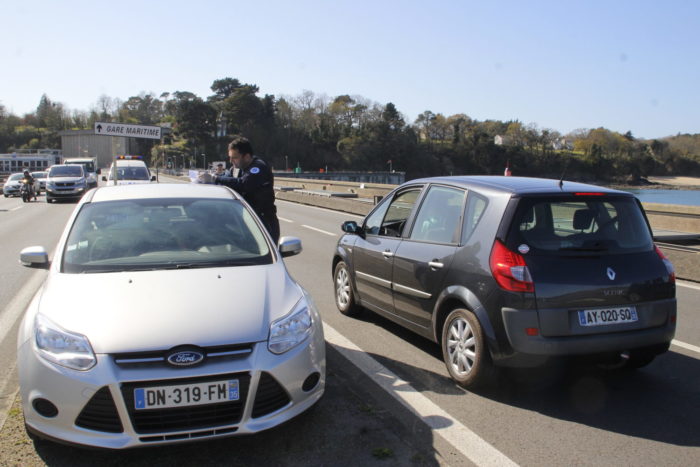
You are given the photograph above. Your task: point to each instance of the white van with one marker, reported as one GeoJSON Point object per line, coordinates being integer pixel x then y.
{"type": "Point", "coordinates": [128, 170]}
{"type": "Point", "coordinates": [89, 167]}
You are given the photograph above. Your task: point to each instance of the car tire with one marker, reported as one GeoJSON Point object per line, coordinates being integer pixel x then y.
{"type": "Point", "coordinates": [464, 350]}
{"type": "Point", "coordinates": [49, 200]}
{"type": "Point", "coordinates": [344, 296]}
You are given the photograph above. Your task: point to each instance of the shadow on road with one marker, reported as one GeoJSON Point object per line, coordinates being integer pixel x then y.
{"type": "Point", "coordinates": [660, 402]}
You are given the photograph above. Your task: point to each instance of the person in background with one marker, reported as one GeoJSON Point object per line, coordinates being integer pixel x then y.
{"type": "Point", "coordinates": [219, 169]}
{"type": "Point", "coordinates": [29, 180]}
{"type": "Point", "coordinates": [254, 181]}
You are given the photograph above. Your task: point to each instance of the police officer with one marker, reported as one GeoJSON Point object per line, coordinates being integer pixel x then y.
{"type": "Point", "coordinates": [254, 182]}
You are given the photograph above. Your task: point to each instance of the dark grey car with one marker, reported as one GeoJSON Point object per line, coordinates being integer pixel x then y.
{"type": "Point", "coordinates": [511, 271]}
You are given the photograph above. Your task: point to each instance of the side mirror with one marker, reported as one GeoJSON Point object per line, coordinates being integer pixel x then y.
{"type": "Point", "coordinates": [153, 178]}
{"type": "Point", "coordinates": [289, 246]}
{"type": "Point", "coordinates": [104, 179]}
{"type": "Point", "coordinates": [351, 227]}
{"type": "Point", "coordinates": [34, 256]}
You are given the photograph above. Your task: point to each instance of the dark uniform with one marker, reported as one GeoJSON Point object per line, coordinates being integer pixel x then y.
{"type": "Point", "coordinates": [256, 184]}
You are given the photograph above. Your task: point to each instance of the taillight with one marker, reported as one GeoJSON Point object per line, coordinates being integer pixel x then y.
{"type": "Point", "coordinates": [667, 262]}
{"type": "Point", "coordinates": [509, 269]}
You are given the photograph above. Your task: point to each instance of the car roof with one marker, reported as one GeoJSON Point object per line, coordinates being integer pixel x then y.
{"type": "Point", "coordinates": [159, 190]}
{"type": "Point", "coordinates": [519, 185]}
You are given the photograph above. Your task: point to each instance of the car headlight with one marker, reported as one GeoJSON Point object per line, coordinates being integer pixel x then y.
{"type": "Point", "coordinates": [290, 331]}
{"type": "Point", "coordinates": [62, 347]}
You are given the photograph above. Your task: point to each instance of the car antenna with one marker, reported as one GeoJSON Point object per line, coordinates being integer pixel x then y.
{"type": "Point", "coordinates": [563, 172]}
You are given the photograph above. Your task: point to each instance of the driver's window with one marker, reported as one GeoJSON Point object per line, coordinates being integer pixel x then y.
{"type": "Point", "coordinates": [390, 218]}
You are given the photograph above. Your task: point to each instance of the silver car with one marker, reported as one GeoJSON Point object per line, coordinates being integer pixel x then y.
{"type": "Point", "coordinates": [11, 187]}
{"type": "Point", "coordinates": [167, 316]}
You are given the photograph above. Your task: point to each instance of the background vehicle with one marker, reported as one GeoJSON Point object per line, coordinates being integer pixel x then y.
{"type": "Point", "coordinates": [39, 181]}
{"type": "Point", "coordinates": [128, 170]}
{"type": "Point", "coordinates": [511, 271]}
{"type": "Point", "coordinates": [90, 168]}
{"type": "Point", "coordinates": [26, 191]}
{"type": "Point", "coordinates": [65, 182]}
{"type": "Point", "coordinates": [196, 366]}
{"type": "Point", "coordinates": [11, 187]}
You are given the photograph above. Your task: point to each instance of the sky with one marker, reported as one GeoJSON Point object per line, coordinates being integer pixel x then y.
{"type": "Point", "coordinates": [560, 65]}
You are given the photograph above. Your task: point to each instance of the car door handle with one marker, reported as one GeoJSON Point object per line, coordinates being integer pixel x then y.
{"type": "Point", "coordinates": [387, 254]}
{"type": "Point", "coordinates": [435, 264]}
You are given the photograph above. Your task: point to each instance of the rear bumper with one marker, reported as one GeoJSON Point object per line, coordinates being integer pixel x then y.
{"type": "Point", "coordinates": [606, 340]}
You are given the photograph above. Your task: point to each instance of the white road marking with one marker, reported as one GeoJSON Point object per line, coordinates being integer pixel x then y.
{"type": "Point", "coordinates": [464, 440]}
{"type": "Point", "coordinates": [689, 285]}
{"type": "Point", "coordinates": [285, 220]}
{"type": "Point", "coordinates": [318, 230]}
{"type": "Point", "coordinates": [691, 347]}
{"type": "Point", "coordinates": [18, 207]}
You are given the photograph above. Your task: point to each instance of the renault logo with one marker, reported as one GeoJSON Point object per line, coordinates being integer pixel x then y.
{"type": "Point", "coordinates": [611, 274]}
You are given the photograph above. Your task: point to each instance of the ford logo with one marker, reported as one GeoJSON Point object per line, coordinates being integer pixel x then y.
{"type": "Point", "coordinates": [185, 358]}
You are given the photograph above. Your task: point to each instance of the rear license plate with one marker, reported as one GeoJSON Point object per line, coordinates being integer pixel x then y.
{"type": "Point", "coordinates": [183, 395]}
{"type": "Point", "coordinates": [603, 316]}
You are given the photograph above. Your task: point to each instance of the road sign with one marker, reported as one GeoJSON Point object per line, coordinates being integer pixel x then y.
{"type": "Point", "coordinates": [129, 131]}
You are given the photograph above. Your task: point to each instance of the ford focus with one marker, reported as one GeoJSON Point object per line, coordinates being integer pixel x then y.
{"type": "Point", "coordinates": [167, 316]}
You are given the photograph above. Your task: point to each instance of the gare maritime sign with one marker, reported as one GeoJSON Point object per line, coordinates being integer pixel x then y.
{"type": "Point", "coordinates": [130, 131]}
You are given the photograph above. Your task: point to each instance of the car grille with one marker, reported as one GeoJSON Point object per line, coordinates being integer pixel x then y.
{"type": "Point", "coordinates": [186, 418]}
{"type": "Point", "coordinates": [269, 397]}
{"type": "Point", "coordinates": [100, 413]}
{"type": "Point", "coordinates": [157, 358]}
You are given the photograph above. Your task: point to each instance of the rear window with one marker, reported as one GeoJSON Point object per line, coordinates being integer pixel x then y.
{"type": "Point", "coordinates": [593, 225]}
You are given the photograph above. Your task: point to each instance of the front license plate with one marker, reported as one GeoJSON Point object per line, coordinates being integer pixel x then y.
{"type": "Point", "coordinates": [183, 395]}
{"type": "Point", "coordinates": [603, 316]}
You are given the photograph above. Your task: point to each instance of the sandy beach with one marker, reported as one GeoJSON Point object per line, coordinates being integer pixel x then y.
{"type": "Point", "coordinates": [675, 180]}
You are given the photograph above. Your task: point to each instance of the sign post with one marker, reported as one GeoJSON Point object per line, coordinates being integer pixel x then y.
{"type": "Point", "coordinates": [128, 131]}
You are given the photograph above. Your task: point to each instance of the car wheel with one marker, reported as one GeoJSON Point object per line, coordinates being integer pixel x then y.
{"type": "Point", "coordinates": [6, 196]}
{"type": "Point", "coordinates": [464, 350]}
{"type": "Point", "coordinates": [49, 200]}
{"type": "Point", "coordinates": [344, 297]}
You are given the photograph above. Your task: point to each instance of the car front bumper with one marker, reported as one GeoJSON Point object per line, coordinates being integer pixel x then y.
{"type": "Point", "coordinates": [65, 192]}
{"type": "Point", "coordinates": [95, 407]}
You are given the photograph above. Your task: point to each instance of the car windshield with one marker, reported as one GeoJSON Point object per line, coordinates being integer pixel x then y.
{"type": "Point", "coordinates": [14, 177]}
{"type": "Point", "coordinates": [130, 173]}
{"type": "Point", "coordinates": [89, 166]}
{"type": "Point", "coordinates": [66, 171]}
{"type": "Point", "coordinates": [154, 234]}
{"type": "Point", "coordinates": [580, 226]}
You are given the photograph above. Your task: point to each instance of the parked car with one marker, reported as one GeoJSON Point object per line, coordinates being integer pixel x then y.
{"type": "Point", "coordinates": [11, 187]}
{"type": "Point", "coordinates": [65, 182]}
{"type": "Point", "coordinates": [200, 332]}
{"type": "Point", "coordinates": [39, 181]}
{"type": "Point", "coordinates": [511, 271]}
